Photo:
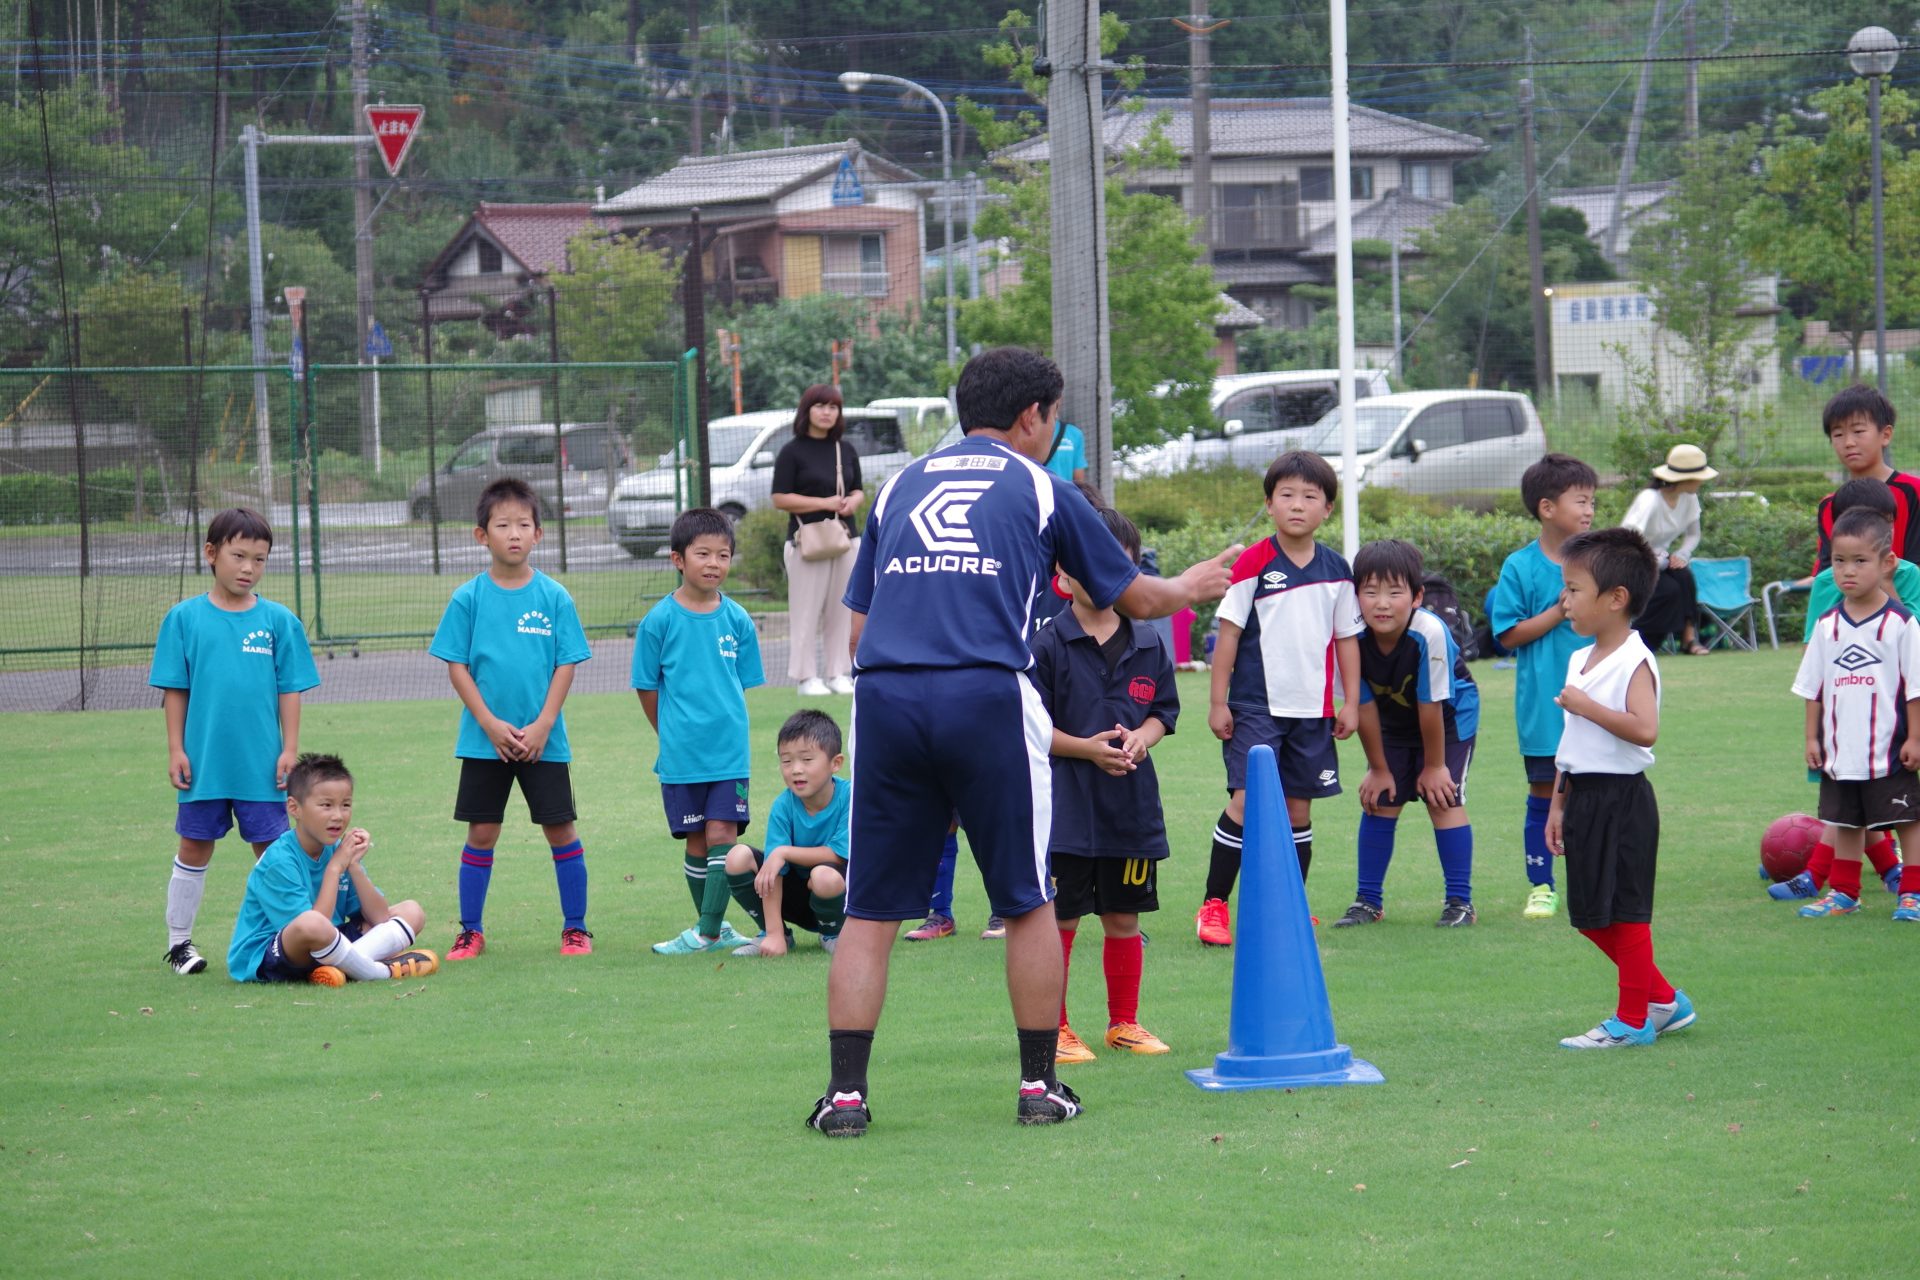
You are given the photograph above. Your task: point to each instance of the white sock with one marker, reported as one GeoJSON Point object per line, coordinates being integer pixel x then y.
{"type": "Point", "coordinates": [184, 892]}
{"type": "Point", "coordinates": [385, 940]}
{"type": "Point", "coordinates": [350, 960]}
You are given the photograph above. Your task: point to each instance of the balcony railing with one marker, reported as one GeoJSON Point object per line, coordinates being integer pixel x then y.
{"type": "Point", "coordinates": [856, 284]}
{"type": "Point", "coordinates": [1258, 227]}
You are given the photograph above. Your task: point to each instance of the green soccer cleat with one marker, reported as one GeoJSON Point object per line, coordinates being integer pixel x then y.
{"type": "Point", "coordinates": [1542, 903]}
{"type": "Point", "coordinates": [691, 942]}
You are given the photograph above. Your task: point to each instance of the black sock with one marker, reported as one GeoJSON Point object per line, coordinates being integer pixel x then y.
{"type": "Point", "coordinates": [849, 1051]}
{"type": "Point", "coordinates": [1303, 848]}
{"type": "Point", "coordinates": [1225, 867]}
{"type": "Point", "coordinates": [1036, 1053]}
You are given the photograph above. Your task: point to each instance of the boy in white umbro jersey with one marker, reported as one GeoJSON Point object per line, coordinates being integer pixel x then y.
{"type": "Point", "coordinates": [1858, 676]}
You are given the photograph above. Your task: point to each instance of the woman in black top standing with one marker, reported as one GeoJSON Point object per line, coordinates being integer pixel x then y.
{"type": "Point", "coordinates": [806, 488]}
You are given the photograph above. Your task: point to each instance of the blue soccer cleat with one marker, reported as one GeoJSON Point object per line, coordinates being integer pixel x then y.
{"type": "Point", "coordinates": [1908, 908]}
{"type": "Point", "coordinates": [1764, 874]}
{"type": "Point", "coordinates": [1612, 1034]}
{"type": "Point", "coordinates": [1893, 878]}
{"type": "Point", "coordinates": [1835, 903]}
{"type": "Point", "coordinates": [1671, 1016]}
{"type": "Point", "coordinates": [1801, 886]}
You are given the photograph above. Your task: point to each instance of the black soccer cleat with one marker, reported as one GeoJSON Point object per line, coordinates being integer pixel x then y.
{"type": "Point", "coordinates": [841, 1115]}
{"type": "Point", "coordinates": [184, 957]}
{"type": "Point", "coordinates": [1456, 914]}
{"type": "Point", "coordinates": [1047, 1102]}
{"type": "Point", "coordinates": [1361, 912]}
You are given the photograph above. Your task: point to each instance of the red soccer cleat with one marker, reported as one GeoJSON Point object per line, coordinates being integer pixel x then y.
{"type": "Point", "coordinates": [576, 942]}
{"type": "Point", "coordinates": [1211, 924]}
{"type": "Point", "coordinates": [469, 944]}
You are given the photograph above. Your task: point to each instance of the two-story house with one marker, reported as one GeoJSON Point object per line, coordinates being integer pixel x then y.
{"type": "Point", "coordinates": [503, 252]}
{"type": "Point", "coordinates": [1272, 180]}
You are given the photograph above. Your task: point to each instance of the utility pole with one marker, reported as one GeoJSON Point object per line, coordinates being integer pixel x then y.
{"type": "Point", "coordinates": [1536, 269]}
{"type": "Point", "coordinates": [1078, 184]}
{"type": "Point", "coordinates": [1631, 151]}
{"type": "Point", "coordinates": [1200, 28]}
{"type": "Point", "coordinates": [1693, 74]}
{"type": "Point", "coordinates": [695, 128]}
{"type": "Point", "coordinates": [362, 226]}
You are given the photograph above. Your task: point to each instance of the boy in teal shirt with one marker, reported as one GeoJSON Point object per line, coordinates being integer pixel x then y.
{"type": "Point", "coordinates": [801, 878]}
{"type": "Point", "coordinates": [511, 638]}
{"type": "Point", "coordinates": [231, 667]}
{"type": "Point", "coordinates": [1529, 620]}
{"type": "Point", "coordinates": [694, 657]}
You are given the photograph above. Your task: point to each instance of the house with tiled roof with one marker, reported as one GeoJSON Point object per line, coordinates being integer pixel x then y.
{"type": "Point", "coordinates": [1272, 177]}
{"type": "Point", "coordinates": [500, 254]}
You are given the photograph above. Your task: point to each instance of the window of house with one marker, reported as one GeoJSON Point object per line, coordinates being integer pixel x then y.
{"type": "Point", "coordinates": [1417, 179]}
{"type": "Point", "coordinates": [856, 265]}
{"type": "Point", "coordinates": [489, 254]}
{"type": "Point", "coordinates": [1317, 183]}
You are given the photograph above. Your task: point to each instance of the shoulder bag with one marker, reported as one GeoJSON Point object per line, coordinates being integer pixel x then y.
{"type": "Point", "coordinates": [827, 539]}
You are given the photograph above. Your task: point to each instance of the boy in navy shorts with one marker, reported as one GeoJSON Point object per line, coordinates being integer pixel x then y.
{"type": "Point", "coordinates": [1419, 710]}
{"type": "Point", "coordinates": [1107, 683]}
{"type": "Point", "coordinates": [801, 878]}
{"type": "Point", "coordinates": [310, 913]}
{"type": "Point", "coordinates": [231, 667]}
{"type": "Point", "coordinates": [1529, 621]}
{"type": "Point", "coordinates": [511, 638]}
{"type": "Point", "coordinates": [694, 657]}
{"type": "Point", "coordinates": [1287, 622]}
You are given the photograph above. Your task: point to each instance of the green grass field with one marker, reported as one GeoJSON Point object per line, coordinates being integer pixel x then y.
{"type": "Point", "coordinates": [631, 1114]}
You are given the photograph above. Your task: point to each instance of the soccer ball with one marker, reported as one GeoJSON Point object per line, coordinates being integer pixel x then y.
{"type": "Point", "coordinates": [1785, 844]}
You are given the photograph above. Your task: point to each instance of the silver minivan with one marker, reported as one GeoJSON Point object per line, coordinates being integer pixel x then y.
{"type": "Point", "coordinates": [1256, 417]}
{"type": "Point", "coordinates": [593, 457]}
{"type": "Point", "coordinates": [1439, 441]}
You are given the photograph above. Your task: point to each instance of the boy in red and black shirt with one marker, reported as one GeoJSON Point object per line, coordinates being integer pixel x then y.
{"type": "Point", "coordinates": [1858, 421]}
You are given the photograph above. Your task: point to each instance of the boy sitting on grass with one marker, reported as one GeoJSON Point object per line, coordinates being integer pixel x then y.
{"type": "Point", "coordinates": [800, 879]}
{"type": "Point", "coordinates": [310, 913]}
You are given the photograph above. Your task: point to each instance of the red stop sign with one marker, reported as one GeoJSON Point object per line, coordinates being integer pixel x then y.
{"type": "Point", "coordinates": [394, 129]}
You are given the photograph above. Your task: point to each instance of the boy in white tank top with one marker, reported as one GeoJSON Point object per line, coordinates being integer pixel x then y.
{"type": "Point", "coordinates": [1604, 818]}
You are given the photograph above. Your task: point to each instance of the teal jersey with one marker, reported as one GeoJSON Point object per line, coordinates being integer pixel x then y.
{"type": "Point", "coordinates": [1529, 584]}
{"type": "Point", "coordinates": [511, 641]}
{"type": "Point", "coordinates": [234, 667]}
{"type": "Point", "coordinates": [283, 883]}
{"type": "Point", "coordinates": [702, 664]}
{"type": "Point", "coordinates": [1071, 456]}
{"type": "Point", "coordinates": [1823, 597]}
{"type": "Point", "coordinates": [789, 823]}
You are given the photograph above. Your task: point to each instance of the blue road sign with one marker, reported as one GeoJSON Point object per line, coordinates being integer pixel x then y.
{"type": "Point", "coordinates": [847, 189]}
{"type": "Point", "coordinates": [378, 345]}
{"type": "Point", "coordinates": [297, 358]}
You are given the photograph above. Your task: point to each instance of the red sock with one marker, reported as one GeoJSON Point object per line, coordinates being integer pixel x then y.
{"type": "Point", "coordinates": [1820, 864]}
{"type": "Point", "coordinates": [1066, 963]}
{"type": "Point", "coordinates": [1910, 878]}
{"type": "Point", "coordinates": [1845, 877]}
{"type": "Point", "coordinates": [1603, 939]}
{"type": "Point", "coordinates": [1881, 854]}
{"type": "Point", "coordinates": [1634, 953]}
{"type": "Point", "coordinates": [1123, 960]}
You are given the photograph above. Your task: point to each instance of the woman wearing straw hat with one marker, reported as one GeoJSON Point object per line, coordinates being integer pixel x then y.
{"type": "Point", "coordinates": [1667, 515]}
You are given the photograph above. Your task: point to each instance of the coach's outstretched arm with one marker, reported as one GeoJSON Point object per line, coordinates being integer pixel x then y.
{"type": "Point", "coordinates": [1150, 597]}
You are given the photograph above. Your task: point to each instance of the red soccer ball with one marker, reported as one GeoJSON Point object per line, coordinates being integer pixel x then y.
{"type": "Point", "coordinates": [1786, 843]}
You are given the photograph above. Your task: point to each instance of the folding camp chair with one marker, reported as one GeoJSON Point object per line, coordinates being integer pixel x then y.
{"type": "Point", "coordinates": [1769, 595]}
{"type": "Point", "coordinates": [1725, 593]}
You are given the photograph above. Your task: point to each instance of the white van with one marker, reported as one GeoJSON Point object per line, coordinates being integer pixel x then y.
{"type": "Point", "coordinates": [923, 419]}
{"type": "Point", "coordinates": [1439, 441]}
{"type": "Point", "coordinates": [1256, 417]}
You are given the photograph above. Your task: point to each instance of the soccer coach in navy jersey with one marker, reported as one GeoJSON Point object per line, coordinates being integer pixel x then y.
{"type": "Point", "coordinates": [944, 720]}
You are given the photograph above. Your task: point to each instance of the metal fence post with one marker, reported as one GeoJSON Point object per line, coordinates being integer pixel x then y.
{"type": "Point", "coordinates": [559, 441]}
{"type": "Point", "coordinates": [307, 375]}
{"type": "Point", "coordinates": [433, 483]}
{"type": "Point", "coordinates": [193, 451]}
{"type": "Point", "coordinates": [293, 493]}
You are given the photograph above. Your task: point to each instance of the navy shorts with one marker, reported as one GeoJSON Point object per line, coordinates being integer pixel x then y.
{"type": "Point", "coordinates": [276, 967]}
{"type": "Point", "coordinates": [1309, 767]}
{"type": "Point", "coordinates": [796, 898]}
{"type": "Point", "coordinates": [925, 743]}
{"type": "Point", "coordinates": [546, 786]}
{"type": "Point", "coordinates": [1405, 760]}
{"type": "Point", "coordinates": [691, 806]}
{"type": "Point", "coordinates": [261, 821]}
{"type": "Point", "coordinates": [1539, 768]}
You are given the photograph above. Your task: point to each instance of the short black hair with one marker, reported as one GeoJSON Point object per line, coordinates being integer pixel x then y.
{"type": "Point", "coordinates": [1615, 557]}
{"type": "Point", "coordinates": [698, 522]}
{"type": "Point", "coordinates": [506, 489]}
{"type": "Point", "coordinates": [312, 769]}
{"type": "Point", "coordinates": [1389, 560]}
{"type": "Point", "coordinates": [1875, 528]}
{"type": "Point", "coordinates": [1300, 464]}
{"type": "Point", "coordinates": [811, 725]}
{"type": "Point", "coordinates": [997, 386]}
{"type": "Point", "coordinates": [1552, 476]}
{"type": "Point", "coordinates": [1863, 494]}
{"type": "Point", "coordinates": [1851, 401]}
{"type": "Point", "coordinates": [237, 523]}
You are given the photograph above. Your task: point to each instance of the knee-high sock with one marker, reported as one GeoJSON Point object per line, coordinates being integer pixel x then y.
{"type": "Point", "coordinates": [1066, 964]}
{"type": "Point", "coordinates": [1225, 867]}
{"type": "Point", "coordinates": [713, 901]}
{"type": "Point", "coordinates": [1630, 947]}
{"type": "Point", "coordinates": [385, 940]}
{"type": "Point", "coordinates": [350, 960]}
{"type": "Point", "coordinates": [942, 904]}
{"type": "Point", "coordinates": [1303, 849]}
{"type": "Point", "coordinates": [1534, 839]}
{"type": "Point", "coordinates": [1880, 852]}
{"type": "Point", "coordinates": [1820, 864]}
{"type": "Point", "coordinates": [1376, 853]}
{"type": "Point", "coordinates": [1910, 878]}
{"type": "Point", "coordinates": [570, 872]}
{"type": "Point", "coordinates": [696, 869]}
{"type": "Point", "coordinates": [848, 1052]}
{"type": "Point", "coordinates": [1845, 877]}
{"type": "Point", "coordinates": [476, 870]}
{"type": "Point", "coordinates": [740, 885]}
{"type": "Point", "coordinates": [184, 891]}
{"type": "Point", "coordinates": [1123, 959]}
{"type": "Point", "coordinates": [830, 912]}
{"type": "Point", "coordinates": [1455, 845]}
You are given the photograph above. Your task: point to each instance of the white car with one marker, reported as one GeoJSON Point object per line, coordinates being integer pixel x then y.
{"type": "Point", "coordinates": [1439, 441]}
{"type": "Point", "coordinates": [1256, 418]}
{"type": "Point", "coordinates": [741, 450]}
{"type": "Point", "coordinates": [923, 419]}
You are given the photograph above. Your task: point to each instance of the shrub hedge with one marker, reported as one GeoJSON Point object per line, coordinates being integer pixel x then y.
{"type": "Point", "coordinates": [32, 498]}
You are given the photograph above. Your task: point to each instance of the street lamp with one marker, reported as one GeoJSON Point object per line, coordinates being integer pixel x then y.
{"type": "Point", "coordinates": [1872, 53]}
{"type": "Point", "coordinates": [853, 82]}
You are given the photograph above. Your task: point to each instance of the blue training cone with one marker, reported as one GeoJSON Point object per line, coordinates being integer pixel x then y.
{"type": "Point", "coordinates": [1280, 1031]}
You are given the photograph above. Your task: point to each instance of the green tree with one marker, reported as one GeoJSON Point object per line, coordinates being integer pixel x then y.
{"type": "Point", "coordinates": [1812, 221]}
{"type": "Point", "coordinates": [616, 300]}
{"type": "Point", "coordinates": [785, 349]}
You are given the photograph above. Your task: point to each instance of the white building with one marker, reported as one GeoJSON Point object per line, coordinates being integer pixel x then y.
{"type": "Point", "coordinates": [1601, 331]}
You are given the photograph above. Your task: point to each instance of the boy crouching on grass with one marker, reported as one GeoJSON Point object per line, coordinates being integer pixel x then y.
{"type": "Point", "coordinates": [1603, 817]}
{"type": "Point", "coordinates": [310, 913]}
{"type": "Point", "coordinates": [801, 878]}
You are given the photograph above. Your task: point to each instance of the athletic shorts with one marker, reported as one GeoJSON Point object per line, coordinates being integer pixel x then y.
{"type": "Point", "coordinates": [1611, 829]}
{"type": "Point", "coordinates": [276, 967]}
{"type": "Point", "coordinates": [546, 786]}
{"type": "Point", "coordinates": [1309, 768]}
{"type": "Point", "coordinates": [1540, 768]}
{"type": "Point", "coordinates": [691, 806]}
{"type": "Point", "coordinates": [1873, 803]}
{"type": "Point", "coordinates": [1405, 761]}
{"type": "Point", "coordinates": [261, 821]}
{"type": "Point", "coordinates": [1086, 886]}
{"type": "Point", "coordinates": [925, 743]}
{"type": "Point", "coordinates": [796, 900]}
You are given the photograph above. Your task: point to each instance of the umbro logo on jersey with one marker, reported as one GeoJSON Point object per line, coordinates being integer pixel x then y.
{"type": "Point", "coordinates": [941, 517]}
{"type": "Point", "coordinates": [1273, 580]}
{"type": "Point", "coordinates": [1854, 657]}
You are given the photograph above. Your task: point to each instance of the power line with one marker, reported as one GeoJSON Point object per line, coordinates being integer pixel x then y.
{"type": "Point", "coordinates": [1621, 60]}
